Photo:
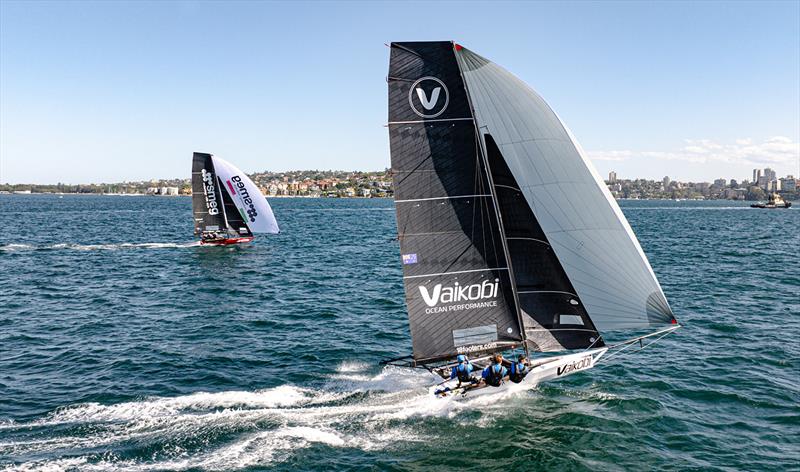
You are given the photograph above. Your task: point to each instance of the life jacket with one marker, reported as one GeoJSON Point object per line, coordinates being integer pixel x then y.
{"type": "Point", "coordinates": [517, 372]}
{"type": "Point", "coordinates": [495, 377]}
{"type": "Point", "coordinates": [463, 373]}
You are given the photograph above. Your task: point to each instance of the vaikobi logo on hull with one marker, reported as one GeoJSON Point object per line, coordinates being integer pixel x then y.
{"type": "Point", "coordinates": [428, 97]}
{"type": "Point", "coordinates": [460, 297]}
{"type": "Point", "coordinates": [582, 363]}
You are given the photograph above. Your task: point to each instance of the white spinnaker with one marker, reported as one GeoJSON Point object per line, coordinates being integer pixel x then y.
{"type": "Point", "coordinates": [248, 198]}
{"type": "Point", "coordinates": [582, 221]}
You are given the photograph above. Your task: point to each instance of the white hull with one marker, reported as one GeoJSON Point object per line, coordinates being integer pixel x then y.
{"type": "Point", "coordinates": [543, 370]}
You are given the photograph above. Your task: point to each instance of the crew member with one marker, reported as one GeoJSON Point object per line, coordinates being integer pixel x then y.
{"type": "Point", "coordinates": [463, 371]}
{"type": "Point", "coordinates": [493, 375]}
{"type": "Point", "coordinates": [518, 370]}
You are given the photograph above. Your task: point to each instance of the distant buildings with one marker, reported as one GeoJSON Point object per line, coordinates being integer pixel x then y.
{"type": "Point", "coordinates": [721, 188]}
{"type": "Point", "coordinates": [171, 191]}
{"type": "Point", "coordinates": [768, 181]}
{"type": "Point", "coordinates": [317, 183]}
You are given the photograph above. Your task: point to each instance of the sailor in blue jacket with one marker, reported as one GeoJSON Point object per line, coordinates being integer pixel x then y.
{"type": "Point", "coordinates": [463, 371]}
{"type": "Point", "coordinates": [494, 374]}
{"type": "Point", "coordinates": [518, 370]}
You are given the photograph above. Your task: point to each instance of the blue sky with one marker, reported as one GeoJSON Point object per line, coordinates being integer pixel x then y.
{"type": "Point", "coordinates": [111, 91]}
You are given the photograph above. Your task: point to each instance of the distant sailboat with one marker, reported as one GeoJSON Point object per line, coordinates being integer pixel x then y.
{"type": "Point", "coordinates": [227, 206]}
{"type": "Point", "coordinates": [509, 238]}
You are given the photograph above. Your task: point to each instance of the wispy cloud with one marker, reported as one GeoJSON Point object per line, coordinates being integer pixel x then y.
{"type": "Point", "coordinates": [778, 150]}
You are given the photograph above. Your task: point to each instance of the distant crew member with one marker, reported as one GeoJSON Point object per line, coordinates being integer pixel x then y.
{"type": "Point", "coordinates": [493, 375]}
{"type": "Point", "coordinates": [463, 371]}
{"type": "Point", "coordinates": [518, 370]}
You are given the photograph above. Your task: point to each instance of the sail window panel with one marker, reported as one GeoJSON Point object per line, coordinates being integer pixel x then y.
{"type": "Point", "coordinates": [543, 319]}
{"type": "Point", "coordinates": [518, 220]}
{"type": "Point", "coordinates": [476, 335]}
{"type": "Point", "coordinates": [547, 308]}
{"type": "Point", "coordinates": [536, 267]}
{"type": "Point", "coordinates": [561, 339]}
{"type": "Point", "coordinates": [570, 320]}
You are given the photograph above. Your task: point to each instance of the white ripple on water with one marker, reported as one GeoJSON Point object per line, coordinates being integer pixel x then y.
{"type": "Point", "coordinates": [96, 247]}
{"type": "Point", "coordinates": [302, 417]}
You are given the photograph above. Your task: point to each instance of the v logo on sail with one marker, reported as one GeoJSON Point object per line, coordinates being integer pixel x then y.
{"type": "Point", "coordinates": [428, 104]}
{"type": "Point", "coordinates": [428, 97]}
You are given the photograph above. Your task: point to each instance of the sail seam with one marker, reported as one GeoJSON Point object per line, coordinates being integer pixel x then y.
{"type": "Point", "coordinates": [508, 186]}
{"type": "Point", "coordinates": [427, 121]}
{"type": "Point", "coordinates": [440, 198]}
{"type": "Point", "coordinates": [456, 272]}
{"type": "Point", "coordinates": [528, 239]}
{"type": "Point", "coordinates": [546, 291]}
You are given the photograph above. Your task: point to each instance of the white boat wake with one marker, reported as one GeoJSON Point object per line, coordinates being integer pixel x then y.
{"type": "Point", "coordinates": [94, 247]}
{"type": "Point", "coordinates": [352, 411]}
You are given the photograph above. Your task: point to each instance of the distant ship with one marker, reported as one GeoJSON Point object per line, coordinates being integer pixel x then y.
{"type": "Point", "coordinates": [227, 206]}
{"type": "Point", "coordinates": [775, 201]}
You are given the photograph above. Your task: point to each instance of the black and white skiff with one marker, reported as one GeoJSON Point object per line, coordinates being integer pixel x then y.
{"type": "Point", "coordinates": [509, 239]}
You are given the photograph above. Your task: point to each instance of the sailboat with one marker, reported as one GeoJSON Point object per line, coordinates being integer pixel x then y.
{"type": "Point", "coordinates": [509, 239]}
{"type": "Point", "coordinates": [228, 207]}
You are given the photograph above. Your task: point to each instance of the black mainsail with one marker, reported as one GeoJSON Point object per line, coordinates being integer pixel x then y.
{"type": "Point", "coordinates": [457, 280]}
{"type": "Point", "coordinates": [207, 196]}
{"type": "Point", "coordinates": [507, 235]}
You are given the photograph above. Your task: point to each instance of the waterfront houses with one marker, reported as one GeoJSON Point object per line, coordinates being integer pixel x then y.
{"type": "Point", "coordinates": [764, 182]}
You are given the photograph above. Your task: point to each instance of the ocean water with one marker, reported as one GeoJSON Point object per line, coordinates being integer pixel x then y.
{"type": "Point", "coordinates": [125, 346]}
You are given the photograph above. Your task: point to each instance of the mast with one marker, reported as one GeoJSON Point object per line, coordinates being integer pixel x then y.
{"type": "Point", "coordinates": [493, 192]}
{"type": "Point", "coordinates": [224, 215]}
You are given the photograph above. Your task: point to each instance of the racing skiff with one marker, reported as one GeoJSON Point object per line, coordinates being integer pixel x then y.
{"type": "Point", "coordinates": [509, 239]}
{"type": "Point", "coordinates": [228, 207]}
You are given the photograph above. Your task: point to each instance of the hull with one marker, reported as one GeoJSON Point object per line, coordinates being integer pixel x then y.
{"type": "Point", "coordinates": [760, 205]}
{"type": "Point", "coordinates": [226, 241]}
{"type": "Point", "coordinates": [543, 370]}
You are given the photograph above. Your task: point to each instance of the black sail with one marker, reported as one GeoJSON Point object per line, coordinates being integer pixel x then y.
{"type": "Point", "coordinates": [207, 204]}
{"type": "Point", "coordinates": [552, 312]}
{"type": "Point", "coordinates": [458, 285]}
{"type": "Point", "coordinates": [234, 220]}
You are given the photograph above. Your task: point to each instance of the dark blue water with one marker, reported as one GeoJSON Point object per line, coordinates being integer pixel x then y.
{"type": "Point", "coordinates": [124, 346]}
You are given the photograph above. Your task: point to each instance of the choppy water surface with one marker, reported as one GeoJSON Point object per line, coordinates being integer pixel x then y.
{"type": "Point", "coordinates": [125, 346]}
